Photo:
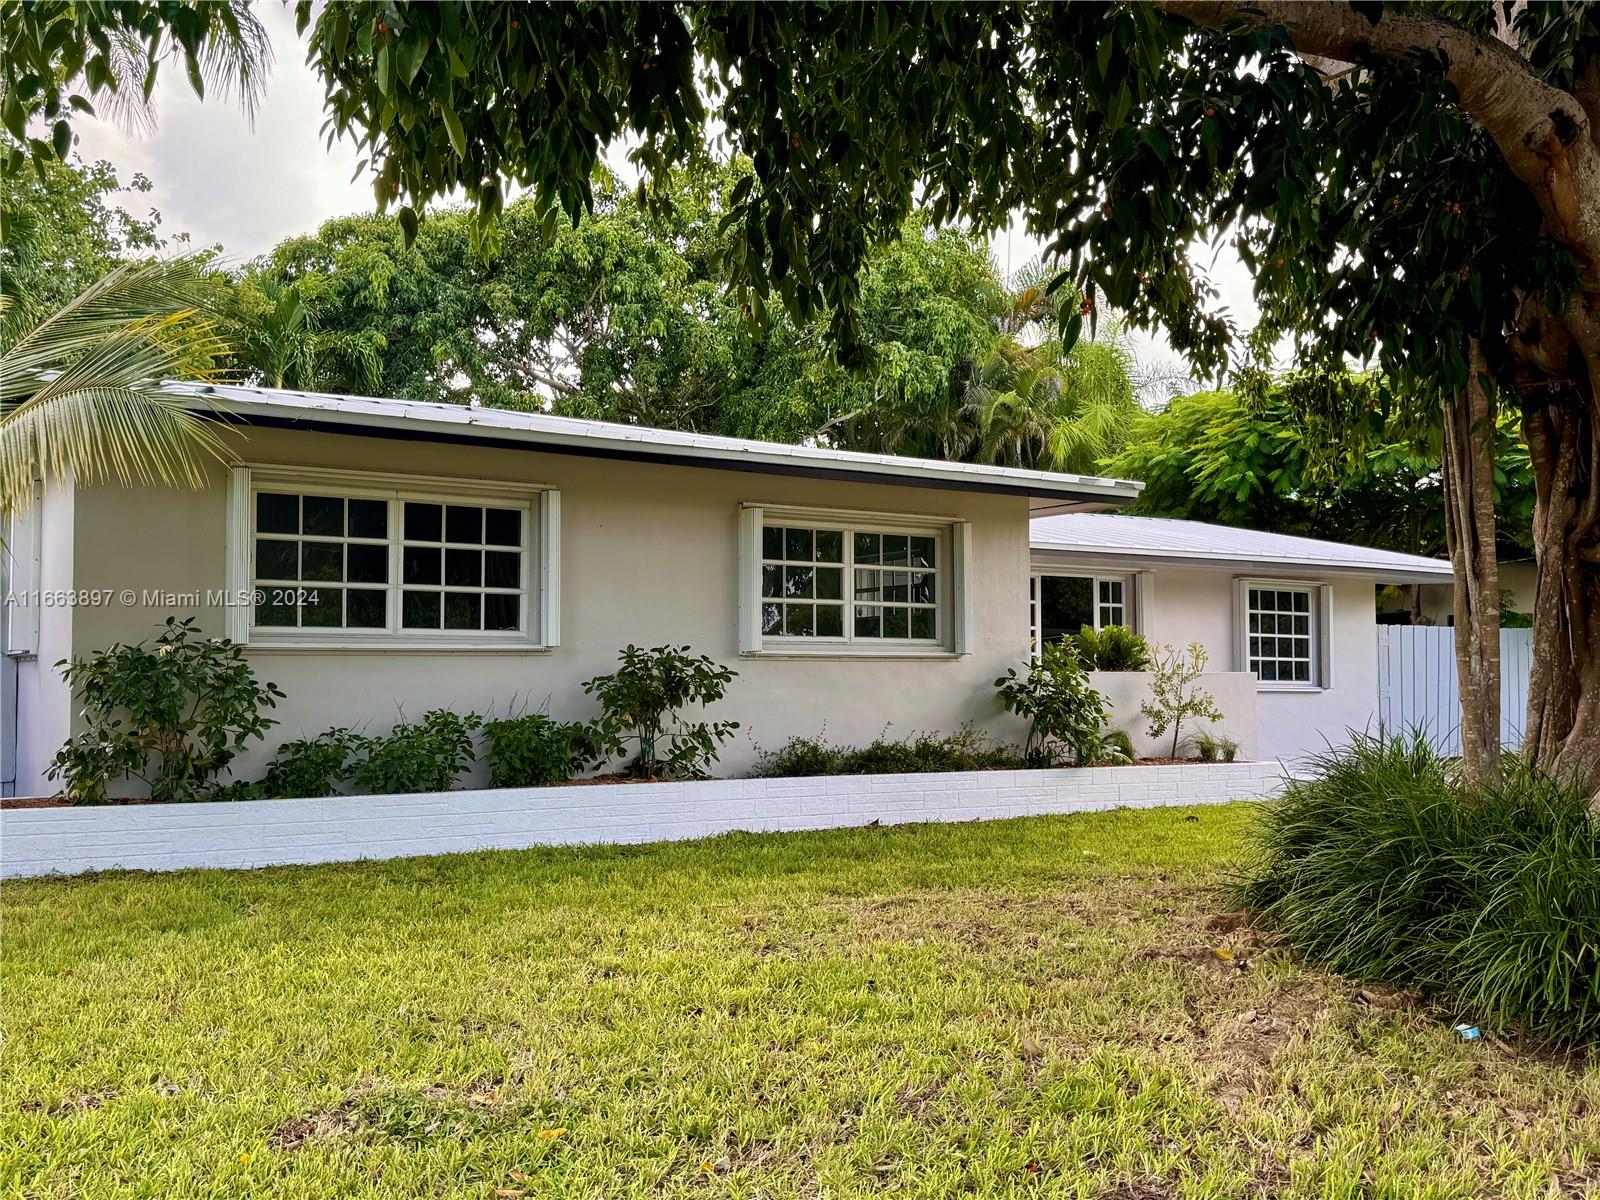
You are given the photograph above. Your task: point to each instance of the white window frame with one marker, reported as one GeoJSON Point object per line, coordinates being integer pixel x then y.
{"type": "Point", "coordinates": [1319, 608]}
{"type": "Point", "coordinates": [1035, 627]}
{"type": "Point", "coordinates": [540, 551]}
{"type": "Point", "coordinates": [952, 619]}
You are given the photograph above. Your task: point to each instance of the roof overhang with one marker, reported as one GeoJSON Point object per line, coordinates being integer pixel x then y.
{"type": "Point", "coordinates": [1048, 493]}
{"type": "Point", "coordinates": [1062, 554]}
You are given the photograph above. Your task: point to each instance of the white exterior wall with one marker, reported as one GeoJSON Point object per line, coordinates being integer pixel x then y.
{"type": "Point", "coordinates": [649, 556]}
{"type": "Point", "coordinates": [43, 701]}
{"type": "Point", "coordinates": [260, 833]}
{"type": "Point", "coordinates": [1234, 692]}
{"type": "Point", "coordinates": [1197, 605]}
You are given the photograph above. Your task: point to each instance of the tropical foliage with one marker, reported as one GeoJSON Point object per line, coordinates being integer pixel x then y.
{"type": "Point", "coordinates": [172, 715]}
{"type": "Point", "coordinates": [624, 317]}
{"type": "Point", "coordinates": [80, 392]}
{"type": "Point", "coordinates": [1066, 717]}
{"type": "Point", "coordinates": [63, 59]}
{"type": "Point", "coordinates": [1383, 865]}
{"type": "Point", "coordinates": [1259, 458]}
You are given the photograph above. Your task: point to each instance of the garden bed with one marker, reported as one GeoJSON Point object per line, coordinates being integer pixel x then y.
{"type": "Point", "coordinates": [255, 833]}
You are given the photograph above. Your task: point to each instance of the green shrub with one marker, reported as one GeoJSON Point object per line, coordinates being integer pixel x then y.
{"type": "Point", "coordinates": [1383, 866]}
{"type": "Point", "coordinates": [1066, 716]}
{"type": "Point", "coordinates": [1114, 648]}
{"type": "Point", "coordinates": [533, 750]}
{"type": "Point", "coordinates": [965, 750]}
{"type": "Point", "coordinates": [799, 757]}
{"type": "Point", "coordinates": [1117, 748]}
{"type": "Point", "coordinates": [640, 718]}
{"type": "Point", "coordinates": [173, 715]}
{"type": "Point", "coordinates": [421, 756]}
{"type": "Point", "coordinates": [309, 766]}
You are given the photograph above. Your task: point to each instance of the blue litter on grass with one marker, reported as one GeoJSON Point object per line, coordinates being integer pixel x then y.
{"type": "Point", "coordinates": [1468, 1033]}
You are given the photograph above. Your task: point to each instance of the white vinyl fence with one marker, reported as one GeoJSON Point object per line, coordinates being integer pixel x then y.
{"type": "Point", "coordinates": [1417, 684]}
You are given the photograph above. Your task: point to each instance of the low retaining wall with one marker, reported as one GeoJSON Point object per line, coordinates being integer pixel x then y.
{"type": "Point", "coordinates": [259, 833]}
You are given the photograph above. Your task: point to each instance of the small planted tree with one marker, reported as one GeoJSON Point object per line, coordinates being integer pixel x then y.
{"type": "Point", "coordinates": [1175, 692]}
{"type": "Point", "coordinates": [640, 717]}
{"type": "Point", "coordinates": [172, 715]}
{"type": "Point", "coordinates": [1066, 716]}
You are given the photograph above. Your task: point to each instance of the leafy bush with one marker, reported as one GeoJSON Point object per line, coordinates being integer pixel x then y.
{"type": "Point", "coordinates": [1117, 748]}
{"type": "Point", "coordinates": [1114, 648]}
{"type": "Point", "coordinates": [421, 756]}
{"type": "Point", "coordinates": [1383, 866]}
{"type": "Point", "coordinates": [640, 703]}
{"type": "Point", "coordinates": [532, 750]}
{"type": "Point", "coordinates": [1175, 692]}
{"type": "Point", "coordinates": [173, 715]}
{"type": "Point", "coordinates": [309, 766]}
{"type": "Point", "coordinates": [966, 750]}
{"type": "Point", "coordinates": [800, 757]}
{"type": "Point", "coordinates": [1065, 715]}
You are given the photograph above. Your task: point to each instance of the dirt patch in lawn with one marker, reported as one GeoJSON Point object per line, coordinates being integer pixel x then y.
{"type": "Point", "coordinates": [297, 1131]}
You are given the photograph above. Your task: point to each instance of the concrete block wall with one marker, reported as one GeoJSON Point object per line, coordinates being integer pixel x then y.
{"type": "Point", "coordinates": [258, 833]}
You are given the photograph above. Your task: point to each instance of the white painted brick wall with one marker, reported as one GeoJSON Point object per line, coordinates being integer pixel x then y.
{"type": "Point", "coordinates": [258, 833]}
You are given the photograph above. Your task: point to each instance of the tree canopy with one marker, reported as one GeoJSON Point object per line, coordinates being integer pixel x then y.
{"type": "Point", "coordinates": [625, 317]}
{"type": "Point", "coordinates": [1252, 458]}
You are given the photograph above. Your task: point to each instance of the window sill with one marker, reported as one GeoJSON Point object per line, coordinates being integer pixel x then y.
{"type": "Point", "coordinates": [845, 653]}
{"type": "Point", "coordinates": [1290, 687]}
{"type": "Point", "coordinates": [408, 647]}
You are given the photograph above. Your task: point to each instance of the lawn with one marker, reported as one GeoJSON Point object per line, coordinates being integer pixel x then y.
{"type": "Point", "coordinates": [1020, 1008]}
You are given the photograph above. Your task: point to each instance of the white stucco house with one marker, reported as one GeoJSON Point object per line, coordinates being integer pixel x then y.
{"type": "Point", "coordinates": [379, 556]}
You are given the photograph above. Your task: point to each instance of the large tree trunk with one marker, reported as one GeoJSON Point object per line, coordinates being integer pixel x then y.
{"type": "Point", "coordinates": [1563, 730]}
{"type": "Point", "coordinates": [1469, 433]}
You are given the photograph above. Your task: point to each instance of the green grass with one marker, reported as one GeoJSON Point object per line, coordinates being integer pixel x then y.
{"type": "Point", "coordinates": [988, 1010]}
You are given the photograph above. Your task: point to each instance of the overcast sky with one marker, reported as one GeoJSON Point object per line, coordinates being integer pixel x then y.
{"type": "Point", "coordinates": [246, 187]}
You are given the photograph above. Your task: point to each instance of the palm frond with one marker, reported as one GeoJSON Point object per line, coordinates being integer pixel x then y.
{"type": "Point", "coordinates": [81, 393]}
{"type": "Point", "coordinates": [233, 56]}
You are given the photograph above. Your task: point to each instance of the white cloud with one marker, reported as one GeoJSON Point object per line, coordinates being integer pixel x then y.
{"type": "Point", "coordinates": [221, 180]}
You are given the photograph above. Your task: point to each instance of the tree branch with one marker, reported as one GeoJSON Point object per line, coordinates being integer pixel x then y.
{"type": "Point", "coordinates": [1543, 132]}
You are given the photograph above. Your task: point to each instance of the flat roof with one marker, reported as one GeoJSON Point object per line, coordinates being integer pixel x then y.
{"type": "Point", "coordinates": [1118, 537]}
{"type": "Point", "coordinates": [1047, 491]}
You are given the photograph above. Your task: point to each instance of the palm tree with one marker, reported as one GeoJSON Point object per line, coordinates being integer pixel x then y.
{"type": "Point", "coordinates": [81, 392]}
{"type": "Point", "coordinates": [274, 334]}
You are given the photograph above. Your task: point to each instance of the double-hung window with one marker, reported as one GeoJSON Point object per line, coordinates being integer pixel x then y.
{"type": "Point", "coordinates": [342, 558]}
{"type": "Point", "coordinates": [840, 582]}
{"type": "Point", "coordinates": [1282, 632]}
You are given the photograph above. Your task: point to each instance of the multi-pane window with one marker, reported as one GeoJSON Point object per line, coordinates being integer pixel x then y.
{"type": "Point", "coordinates": [321, 562]}
{"type": "Point", "coordinates": [380, 564]}
{"type": "Point", "coordinates": [1111, 609]}
{"type": "Point", "coordinates": [461, 567]}
{"type": "Point", "coordinates": [850, 584]}
{"type": "Point", "coordinates": [1060, 605]}
{"type": "Point", "coordinates": [1281, 640]}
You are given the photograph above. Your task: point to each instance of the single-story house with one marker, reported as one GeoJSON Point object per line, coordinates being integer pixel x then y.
{"type": "Point", "coordinates": [380, 557]}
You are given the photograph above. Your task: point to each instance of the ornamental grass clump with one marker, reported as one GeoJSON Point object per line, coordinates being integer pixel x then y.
{"type": "Point", "coordinates": [1384, 866]}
